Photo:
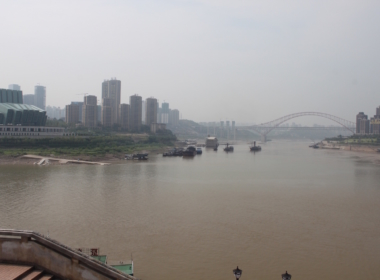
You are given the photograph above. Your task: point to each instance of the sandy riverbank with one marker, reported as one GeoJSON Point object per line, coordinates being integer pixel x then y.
{"type": "Point", "coordinates": [35, 159]}
{"type": "Point", "coordinates": [61, 160]}
{"type": "Point", "coordinates": [361, 152]}
{"type": "Point", "coordinates": [347, 147]}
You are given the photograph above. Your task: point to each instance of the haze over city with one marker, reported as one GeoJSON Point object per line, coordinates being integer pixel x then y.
{"type": "Point", "coordinates": [241, 60]}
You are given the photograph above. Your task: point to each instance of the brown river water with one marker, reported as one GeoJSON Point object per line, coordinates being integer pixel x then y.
{"type": "Point", "coordinates": [314, 213]}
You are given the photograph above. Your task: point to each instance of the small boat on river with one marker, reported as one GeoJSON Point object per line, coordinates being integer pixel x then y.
{"type": "Point", "coordinates": [176, 152]}
{"type": "Point", "coordinates": [255, 148]}
{"type": "Point", "coordinates": [137, 156]}
{"type": "Point", "coordinates": [228, 148]}
{"type": "Point", "coordinates": [199, 151]}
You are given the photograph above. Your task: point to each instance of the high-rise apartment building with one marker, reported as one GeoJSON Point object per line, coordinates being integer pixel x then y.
{"type": "Point", "coordinates": [135, 116]}
{"type": "Point", "coordinates": [124, 112]}
{"type": "Point", "coordinates": [72, 114]}
{"type": "Point", "coordinates": [112, 89]}
{"type": "Point", "coordinates": [80, 104]}
{"type": "Point", "coordinates": [151, 111]}
{"type": "Point", "coordinates": [143, 112]}
{"type": "Point", "coordinates": [28, 99]}
{"type": "Point", "coordinates": [99, 113]}
{"type": "Point", "coordinates": [375, 122]}
{"type": "Point", "coordinates": [90, 111]}
{"type": "Point", "coordinates": [174, 117]}
{"type": "Point", "coordinates": [165, 113]}
{"type": "Point", "coordinates": [14, 87]}
{"type": "Point", "coordinates": [107, 112]}
{"type": "Point", "coordinates": [360, 117]}
{"type": "Point", "coordinates": [40, 97]}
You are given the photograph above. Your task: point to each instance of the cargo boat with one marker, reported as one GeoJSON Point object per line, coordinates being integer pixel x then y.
{"type": "Point", "coordinates": [189, 152]}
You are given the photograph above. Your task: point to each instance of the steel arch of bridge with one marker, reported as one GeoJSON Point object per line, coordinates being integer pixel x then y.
{"type": "Point", "coordinates": [269, 126]}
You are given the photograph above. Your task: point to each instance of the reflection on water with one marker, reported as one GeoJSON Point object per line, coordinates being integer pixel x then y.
{"type": "Point", "coordinates": [312, 212]}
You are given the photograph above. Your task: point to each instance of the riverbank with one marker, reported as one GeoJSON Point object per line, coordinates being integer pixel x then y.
{"type": "Point", "coordinates": [348, 147]}
{"type": "Point", "coordinates": [95, 149]}
{"type": "Point", "coordinates": [33, 159]}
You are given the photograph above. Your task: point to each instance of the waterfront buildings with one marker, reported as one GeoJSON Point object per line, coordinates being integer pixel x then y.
{"type": "Point", "coordinates": [366, 126]}
{"type": "Point", "coordinates": [72, 114]}
{"type": "Point", "coordinates": [31, 131]}
{"type": "Point", "coordinates": [124, 112]}
{"type": "Point", "coordinates": [14, 112]}
{"type": "Point", "coordinates": [135, 116]}
{"type": "Point", "coordinates": [21, 114]}
{"type": "Point", "coordinates": [90, 111]}
{"type": "Point", "coordinates": [112, 89]}
{"type": "Point", "coordinates": [11, 96]}
{"type": "Point", "coordinates": [107, 112]}
{"type": "Point", "coordinates": [40, 97]}
{"type": "Point", "coordinates": [151, 111]}
{"type": "Point", "coordinates": [375, 122]}
{"type": "Point", "coordinates": [359, 117]}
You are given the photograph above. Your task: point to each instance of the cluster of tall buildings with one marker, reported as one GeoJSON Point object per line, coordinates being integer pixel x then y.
{"type": "Point", "coordinates": [37, 99]}
{"type": "Point", "coordinates": [368, 126]}
{"type": "Point", "coordinates": [112, 112]}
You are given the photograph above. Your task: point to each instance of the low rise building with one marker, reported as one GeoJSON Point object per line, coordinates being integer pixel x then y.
{"type": "Point", "coordinates": [154, 127]}
{"type": "Point", "coordinates": [31, 131]}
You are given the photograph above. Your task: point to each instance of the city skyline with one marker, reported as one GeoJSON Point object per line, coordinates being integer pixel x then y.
{"type": "Point", "coordinates": [243, 61]}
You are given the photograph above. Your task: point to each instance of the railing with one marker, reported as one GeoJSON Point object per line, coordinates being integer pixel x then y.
{"type": "Point", "coordinates": [64, 251]}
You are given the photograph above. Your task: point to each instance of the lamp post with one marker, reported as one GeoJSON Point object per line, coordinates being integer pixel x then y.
{"type": "Point", "coordinates": [237, 272]}
{"type": "Point", "coordinates": [286, 276]}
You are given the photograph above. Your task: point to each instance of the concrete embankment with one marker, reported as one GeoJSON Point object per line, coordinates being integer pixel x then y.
{"type": "Point", "coordinates": [348, 147]}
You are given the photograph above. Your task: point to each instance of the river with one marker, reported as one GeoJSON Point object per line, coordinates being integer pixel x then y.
{"type": "Point", "coordinates": [314, 213]}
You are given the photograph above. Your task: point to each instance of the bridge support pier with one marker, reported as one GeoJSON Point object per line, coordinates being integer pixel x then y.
{"type": "Point", "coordinates": [263, 138]}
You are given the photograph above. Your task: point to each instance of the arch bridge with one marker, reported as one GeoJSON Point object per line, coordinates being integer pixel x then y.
{"type": "Point", "coordinates": [264, 128]}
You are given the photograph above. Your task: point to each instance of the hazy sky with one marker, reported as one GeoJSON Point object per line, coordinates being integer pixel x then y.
{"type": "Point", "coordinates": [251, 61]}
